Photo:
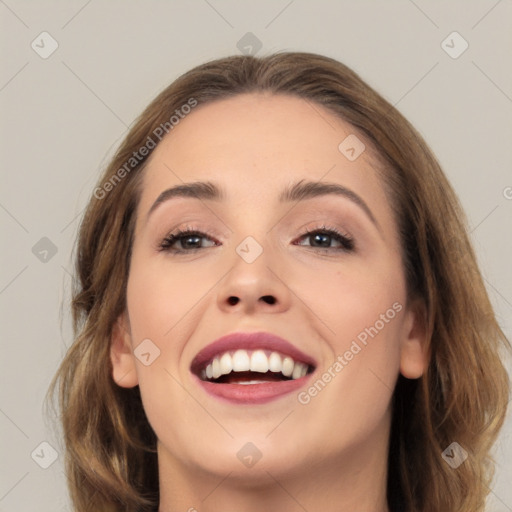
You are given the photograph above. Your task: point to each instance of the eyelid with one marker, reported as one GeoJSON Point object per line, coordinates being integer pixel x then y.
{"type": "Point", "coordinates": [183, 231]}
{"type": "Point", "coordinates": [345, 239]}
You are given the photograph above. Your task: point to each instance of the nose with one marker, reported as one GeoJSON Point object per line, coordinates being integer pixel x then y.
{"type": "Point", "coordinates": [257, 287]}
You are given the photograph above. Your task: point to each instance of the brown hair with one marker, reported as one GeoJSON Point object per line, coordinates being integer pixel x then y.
{"type": "Point", "coordinates": [111, 457]}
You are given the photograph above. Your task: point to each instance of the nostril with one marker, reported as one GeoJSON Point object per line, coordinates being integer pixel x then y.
{"type": "Point", "coordinates": [233, 300]}
{"type": "Point", "coordinates": [269, 299]}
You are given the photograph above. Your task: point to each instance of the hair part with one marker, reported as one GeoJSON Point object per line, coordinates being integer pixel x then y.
{"type": "Point", "coordinates": [111, 459]}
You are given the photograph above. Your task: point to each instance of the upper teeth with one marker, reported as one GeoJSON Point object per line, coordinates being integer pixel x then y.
{"type": "Point", "coordinates": [255, 361]}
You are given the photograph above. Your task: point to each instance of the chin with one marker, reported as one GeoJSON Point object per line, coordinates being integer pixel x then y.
{"type": "Point", "coordinates": [249, 460]}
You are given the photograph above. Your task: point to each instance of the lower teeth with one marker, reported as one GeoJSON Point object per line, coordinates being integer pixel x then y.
{"type": "Point", "coordinates": [249, 378]}
{"type": "Point", "coordinates": [246, 378]}
{"type": "Point", "coordinates": [252, 382]}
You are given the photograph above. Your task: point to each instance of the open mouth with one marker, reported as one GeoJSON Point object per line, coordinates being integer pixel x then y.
{"type": "Point", "coordinates": [248, 367]}
{"type": "Point", "coordinates": [251, 368]}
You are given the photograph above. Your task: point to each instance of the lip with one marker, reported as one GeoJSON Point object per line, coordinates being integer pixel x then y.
{"type": "Point", "coordinates": [250, 393]}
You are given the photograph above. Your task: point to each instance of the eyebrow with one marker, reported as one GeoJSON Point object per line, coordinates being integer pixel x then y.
{"type": "Point", "coordinates": [207, 190]}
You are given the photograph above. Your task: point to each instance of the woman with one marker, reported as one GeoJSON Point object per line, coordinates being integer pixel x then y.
{"type": "Point", "coordinates": [278, 308]}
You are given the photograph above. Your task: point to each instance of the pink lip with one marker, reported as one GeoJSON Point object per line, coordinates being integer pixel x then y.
{"type": "Point", "coordinates": [249, 341]}
{"type": "Point", "coordinates": [250, 393]}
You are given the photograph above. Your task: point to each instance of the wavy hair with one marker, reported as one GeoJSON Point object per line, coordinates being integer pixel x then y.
{"type": "Point", "coordinates": [111, 459]}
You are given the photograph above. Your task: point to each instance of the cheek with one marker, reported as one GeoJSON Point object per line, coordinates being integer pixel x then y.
{"type": "Point", "coordinates": [160, 296]}
{"type": "Point", "coordinates": [158, 300]}
{"type": "Point", "coordinates": [354, 386]}
{"type": "Point", "coordinates": [352, 296]}
{"type": "Point", "coordinates": [360, 310]}
{"type": "Point", "coordinates": [349, 402]}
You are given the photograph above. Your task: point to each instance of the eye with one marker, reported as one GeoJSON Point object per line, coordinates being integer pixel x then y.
{"type": "Point", "coordinates": [189, 240]}
{"type": "Point", "coordinates": [186, 240]}
{"type": "Point", "coordinates": [324, 237]}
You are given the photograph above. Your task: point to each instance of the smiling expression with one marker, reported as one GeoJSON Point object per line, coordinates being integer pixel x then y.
{"type": "Point", "coordinates": [285, 236]}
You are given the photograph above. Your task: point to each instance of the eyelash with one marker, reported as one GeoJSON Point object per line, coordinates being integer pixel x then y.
{"type": "Point", "coordinates": [346, 241]}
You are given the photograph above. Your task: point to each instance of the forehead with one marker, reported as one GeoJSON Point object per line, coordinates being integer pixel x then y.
{"type": "Point", "coordinates": [256, 144]}
{"type": "Point", "coordinates": [261, 124]}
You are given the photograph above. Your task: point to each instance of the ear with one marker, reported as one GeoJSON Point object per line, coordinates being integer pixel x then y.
{"type": "Point", "coordinates": [414, 345]}
{"type": "Point", "coordinates": [121, 354]}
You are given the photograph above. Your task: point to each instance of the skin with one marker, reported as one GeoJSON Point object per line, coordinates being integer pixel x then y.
{"type": "Point", "coordinates": [331, 453]}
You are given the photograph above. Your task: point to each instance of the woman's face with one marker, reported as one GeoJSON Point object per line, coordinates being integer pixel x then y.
{"type": "Point", "coordinates": [339, 300]}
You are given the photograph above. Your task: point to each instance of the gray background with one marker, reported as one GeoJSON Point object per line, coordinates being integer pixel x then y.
{"type": "Point", "coordinates": [63, 115]}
